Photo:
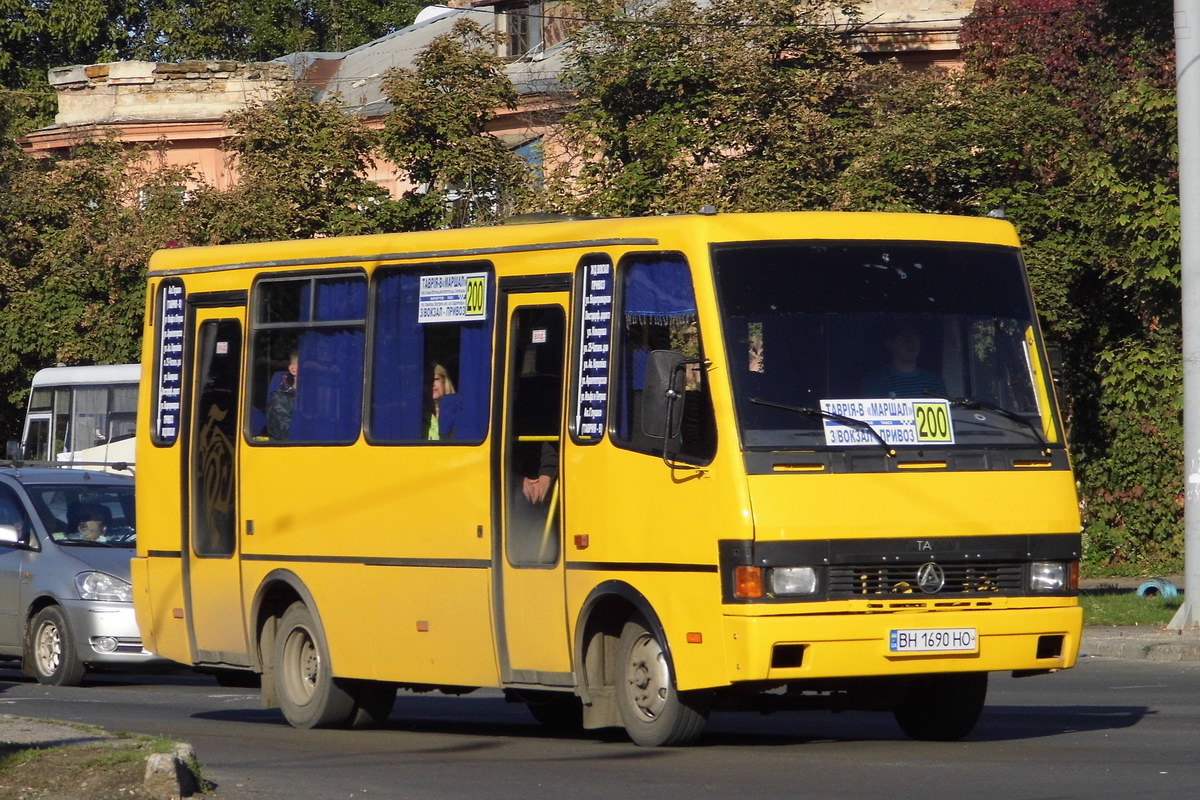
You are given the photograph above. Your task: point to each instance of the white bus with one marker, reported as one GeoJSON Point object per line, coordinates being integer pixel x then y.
{"type": "Point", "coordinates": [82, 415]}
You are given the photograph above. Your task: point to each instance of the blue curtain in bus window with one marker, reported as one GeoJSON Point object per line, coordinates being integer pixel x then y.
{"type": "Point", "coordinates": [330, 376]}
{"type": "Point", "coordinates": [474, 371]}
{"type": "Point", "coordinates": [657, 294]}
{"type": "Point", "coordinates": [397, 378]}
{"type": "Point", "coordinates": [399, 382]}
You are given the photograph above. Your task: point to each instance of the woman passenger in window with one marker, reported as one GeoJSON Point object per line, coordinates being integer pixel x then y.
{"type": "Point", "coordinates": [282, 403]}
{"type": "Point", "coordinates": [443, 406]}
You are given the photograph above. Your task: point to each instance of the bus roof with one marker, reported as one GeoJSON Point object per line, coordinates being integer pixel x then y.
{"type": "Point", "coordinates": [77, 376]}
{"type": "Point", "coordinates": [661, 232]}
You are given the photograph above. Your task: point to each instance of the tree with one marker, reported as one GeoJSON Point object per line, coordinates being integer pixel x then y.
{"type": "Point", "coordinates": [744, 105]}
{"type": "Point", "coordinates": [301, 171]}
{"type": "Point", "coordinates": [40, 35]}
{"type": "Point", "coordinates": [437, 133]}
{"type": "Point", "coordinates": [75, 235]}
{"type": "Point", "coordinates": [260, 30]}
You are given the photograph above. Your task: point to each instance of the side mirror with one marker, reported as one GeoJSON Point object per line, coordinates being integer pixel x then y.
{"type": "Point", "coordinates": [1055, 356]}
{"type": "Point", "coordinates": [9, 535]}
{"type": "Point", "coordinates": [662, 394]}
{"type": "Point", "coordinates": [12, 451]}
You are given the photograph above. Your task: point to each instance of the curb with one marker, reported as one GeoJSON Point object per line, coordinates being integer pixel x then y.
{"type": "Point", "coordinates": [1151, 644]}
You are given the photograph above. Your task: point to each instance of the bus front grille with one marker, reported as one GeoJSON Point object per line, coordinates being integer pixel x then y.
{"type": "Point", "coordinates": [898, 580]}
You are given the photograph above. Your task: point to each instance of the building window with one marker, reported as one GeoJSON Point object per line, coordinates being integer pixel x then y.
{"type": "Point", "coordinates": [531, 26]}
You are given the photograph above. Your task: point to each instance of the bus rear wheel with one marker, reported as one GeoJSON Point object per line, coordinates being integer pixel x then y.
{"type": "Point", "coordinates": [943, 708]}
{"type": "Point", "coordinates": [308, 695]}
{"type": "Point", "coordinates": [653, 711]}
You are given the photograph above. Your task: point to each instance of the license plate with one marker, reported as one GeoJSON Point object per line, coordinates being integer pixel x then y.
{"type": "Point", "coordinates": [933, 640]}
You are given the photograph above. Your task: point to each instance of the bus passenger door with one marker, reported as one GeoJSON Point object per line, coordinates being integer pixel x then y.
{"type": "Point", "coordinates": [212, 570]}
{"type": "Point", "coordinates": [531, 613]}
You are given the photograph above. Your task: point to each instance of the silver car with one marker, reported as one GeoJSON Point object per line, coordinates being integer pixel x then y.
{"type": "Point", "coordinates": [66, 537]}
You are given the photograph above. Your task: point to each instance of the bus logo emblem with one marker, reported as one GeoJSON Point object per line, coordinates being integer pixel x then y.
{"type": "Point", "coordinates": [931, 578]}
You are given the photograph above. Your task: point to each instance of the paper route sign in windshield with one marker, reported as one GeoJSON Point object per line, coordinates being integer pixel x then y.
{"type": "Point", "coordinates": [899, 421]}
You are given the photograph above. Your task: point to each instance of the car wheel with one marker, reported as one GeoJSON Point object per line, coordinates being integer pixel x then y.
{"type": "Point", "coordinates": [50, 650]}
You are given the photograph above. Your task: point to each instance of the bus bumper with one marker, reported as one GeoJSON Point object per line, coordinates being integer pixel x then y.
{"type": "Point", "coordinates": [784, 648]}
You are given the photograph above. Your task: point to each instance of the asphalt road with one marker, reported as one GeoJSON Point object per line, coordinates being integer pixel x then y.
{"type": "Point", "coordinates": [1110, 728]}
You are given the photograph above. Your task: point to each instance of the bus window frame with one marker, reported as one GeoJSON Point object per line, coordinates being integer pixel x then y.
{"type": "Point", "coordinates": [425, 268]}
{"type": "Point", "coordinates": [254, 327]}
{"type": "Point", "coordinates": [617, 354]}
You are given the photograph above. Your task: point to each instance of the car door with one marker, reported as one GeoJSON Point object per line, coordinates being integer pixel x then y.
{"type": "Point", "coordinates": [13, 558]}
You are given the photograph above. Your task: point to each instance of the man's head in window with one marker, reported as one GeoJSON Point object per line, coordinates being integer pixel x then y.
{"type": "Point", "coordinates": [89, 521]}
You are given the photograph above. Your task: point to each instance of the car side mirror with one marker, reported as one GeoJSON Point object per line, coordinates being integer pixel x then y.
{"type": "Point", "coordinates": [10, 535]}
{"type": "Point", "coordinates": [12, 450]}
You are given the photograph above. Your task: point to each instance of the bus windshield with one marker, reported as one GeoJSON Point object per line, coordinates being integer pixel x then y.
{"type": "Point", "coordinates": [79, 413]}
{"type": "Point", "coordinates": [818, 330]}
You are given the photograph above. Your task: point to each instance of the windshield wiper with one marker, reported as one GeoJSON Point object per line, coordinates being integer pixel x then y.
{"type": "Point", "coordinates": [820, 413]}
{"type": "Point", "coordinates": [971, 403]}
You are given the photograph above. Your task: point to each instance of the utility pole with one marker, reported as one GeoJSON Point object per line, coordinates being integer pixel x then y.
{"type": "Point", "coordinates": [1187, 98]}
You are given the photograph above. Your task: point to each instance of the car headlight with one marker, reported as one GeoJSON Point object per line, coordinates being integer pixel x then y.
{"type": "Point", "coordinates": [792, 581]}
{"type": "Point", "coordinates": [102, 586]}
{"type": "Point", "coordinates": [1047, 576]}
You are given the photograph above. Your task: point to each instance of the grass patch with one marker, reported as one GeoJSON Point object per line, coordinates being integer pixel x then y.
{"type": "Point", "coordinates": [1126, 608]}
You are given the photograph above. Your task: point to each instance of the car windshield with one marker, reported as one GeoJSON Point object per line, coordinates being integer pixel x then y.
{"type": "Point", "coordinates": [84, 515]}
{"type": "Point", "coordinates": [897, 334]}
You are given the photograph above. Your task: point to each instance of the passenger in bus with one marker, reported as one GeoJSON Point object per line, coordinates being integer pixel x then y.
{"type": "Point", "coordinates": [442, 409]}
{"type": "Point", "coordinates": [88, 521]}
{"type": "Point", "coordinates": [901, 376]}
{"type": "Point", "coordinates": [537, 478]}
{"type": "Point", "coordinates": [282, 403]}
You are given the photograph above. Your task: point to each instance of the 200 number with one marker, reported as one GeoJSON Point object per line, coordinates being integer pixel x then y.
{"type": "Point", "coordinates": [476, 296]}
{"type": "Point", "coordinates": [933, 422]}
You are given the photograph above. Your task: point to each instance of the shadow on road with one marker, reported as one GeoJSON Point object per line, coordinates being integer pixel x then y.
{"type": "Point", "coordinates": [490, 717]}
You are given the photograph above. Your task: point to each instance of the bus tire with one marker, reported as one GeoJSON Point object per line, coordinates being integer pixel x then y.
{"type": "Point", "coordinates": [653, 711]}
{"type": "Point", "coordinates": [50, 650]}
{"type": "Point", "coordinates": [373, 702]}
{"type": "Point", "coordinates": [559, 711]}
{"type": "Point", "coordinates": [943, 708]}
{"type": "Point", "coordinates": [308, 695]}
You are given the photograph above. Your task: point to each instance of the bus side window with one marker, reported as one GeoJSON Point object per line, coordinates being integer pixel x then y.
{"type": "Point", "coordinates": [658, 312]}
{"type": "Point", "coordinates": [313, 330]}
{"type": "Point", "coordinates": [410, 353]}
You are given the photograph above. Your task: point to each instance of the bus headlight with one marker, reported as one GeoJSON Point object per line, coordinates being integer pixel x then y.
{"type": "Point", "coordinates": [790, 581]}
{"type": "Point", "coordinates": [1047, 576]}
{"type": "Point", "coordinates": [102, 586]}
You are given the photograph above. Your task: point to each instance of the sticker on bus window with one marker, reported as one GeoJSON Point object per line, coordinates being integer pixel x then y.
{"type": "Point", "coordinates": [898, 421]}
{"type": "Point", "coordinates": [452, 298]}
{"type": "Point", "coordinates": [170, 363]}
{"type": "Point", "coordinates": [595, 332]}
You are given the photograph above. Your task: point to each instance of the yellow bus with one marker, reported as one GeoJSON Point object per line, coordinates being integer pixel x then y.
{"type": "Point", "coordinates": [630, 471]}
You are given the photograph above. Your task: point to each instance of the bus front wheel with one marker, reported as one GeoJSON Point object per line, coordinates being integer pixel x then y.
{"type": "Point", "coordinates": [943, 708]}
{"type": "Point", "coordinates": [653, 711]}
{"type": "Point", "coordinates": [308, 695]}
